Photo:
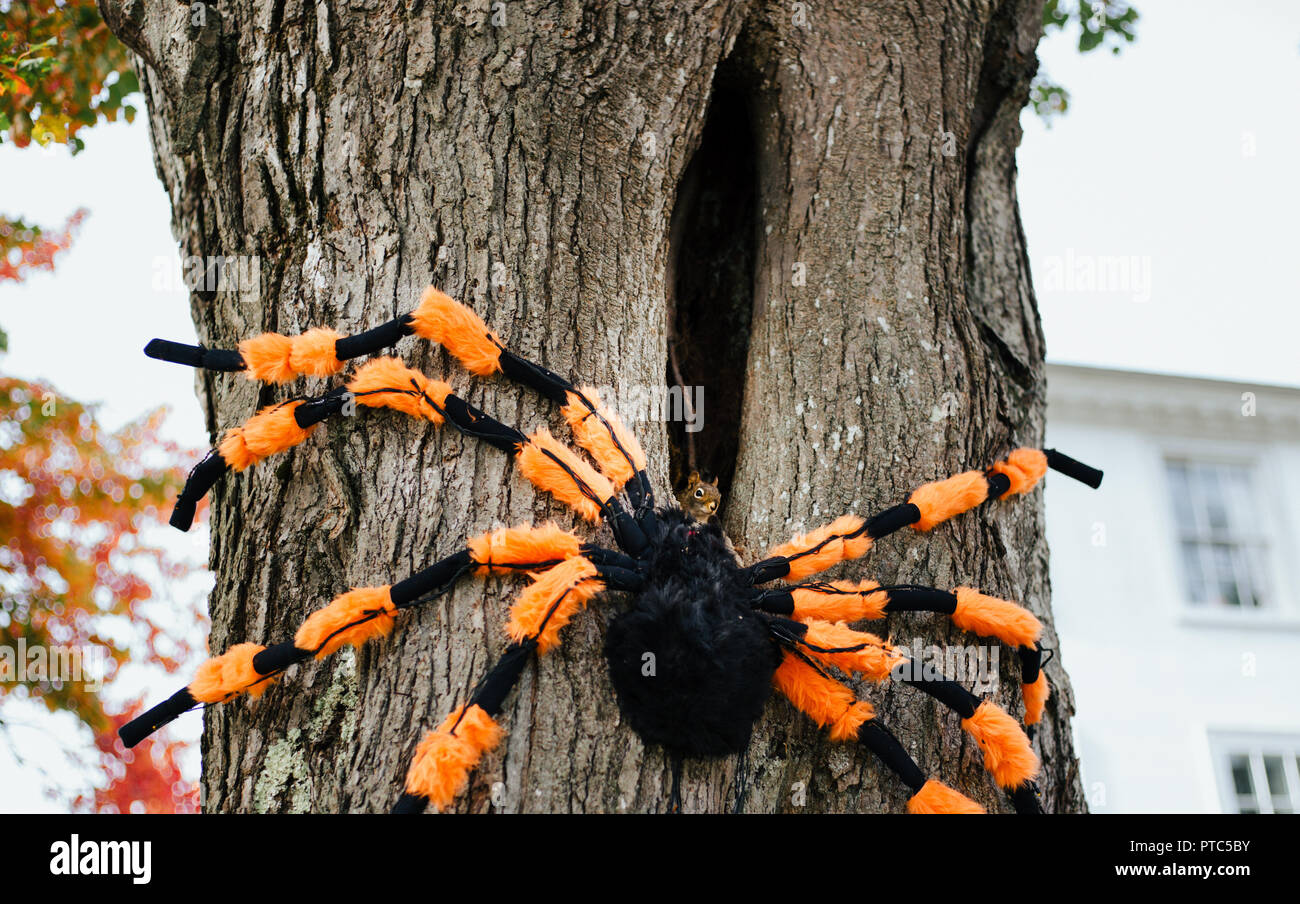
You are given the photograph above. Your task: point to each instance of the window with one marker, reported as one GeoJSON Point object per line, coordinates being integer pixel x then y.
{"type": "Point", "coordinates": [1259, 774]}
{"type": "Point", "coordinates": [1220, 545]}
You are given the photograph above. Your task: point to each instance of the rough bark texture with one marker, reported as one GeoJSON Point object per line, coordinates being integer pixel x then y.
{"type": "Point", "coordinates": [361, 151]}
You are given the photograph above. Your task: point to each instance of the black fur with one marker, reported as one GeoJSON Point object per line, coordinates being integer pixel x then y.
{"type": "Point", "coordinates": [713, 656]}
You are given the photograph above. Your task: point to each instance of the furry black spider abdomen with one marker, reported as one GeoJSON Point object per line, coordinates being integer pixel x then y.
{"type": "Point", "coordinates": [691, 660]}
{"type": "Point", "coordinates": [703, 642]}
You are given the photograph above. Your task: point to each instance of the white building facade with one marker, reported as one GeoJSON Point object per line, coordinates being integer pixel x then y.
{"type": "Point", "coordinates": [1176, 589]}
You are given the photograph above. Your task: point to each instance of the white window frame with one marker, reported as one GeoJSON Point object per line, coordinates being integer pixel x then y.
{"type": "Point", "coordinates": [1261, 581]}
{"type": "Point", "coordinates": [1255, 746]}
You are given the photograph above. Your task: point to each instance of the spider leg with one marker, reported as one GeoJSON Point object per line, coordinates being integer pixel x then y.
{"type": "Point", "coordinates": [829, 702]}
{"type": "Point", "coordinates": [272, 357]}
{"type": "Point", "coordinates": [849, 536]}
{"type": "Point", "coordinates": [386, 382]}
{"type": "Point", "coordinates": [970, 610]}
{"type": "Point", "coordinates": [367, 612]}
{"type": "Point", "coordinates": [1008, 755]}
{"type": "Point", "coordinates": [440, 769]}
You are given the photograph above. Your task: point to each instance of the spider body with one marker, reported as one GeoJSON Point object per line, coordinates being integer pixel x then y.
{"type": "Point", "coordinates": [703, 640]}
{"type": "Point", "coordinates": [691, 660]}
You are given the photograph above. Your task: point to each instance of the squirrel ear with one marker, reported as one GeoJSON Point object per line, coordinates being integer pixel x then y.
{"type": "Point", "coordinates": [694, 478]}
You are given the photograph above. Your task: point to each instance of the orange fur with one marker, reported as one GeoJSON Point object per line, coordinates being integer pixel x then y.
{"type": "Point", "coordinates": [229, 674]}
{"type": "Point", "coordinates": [352, 618]}
{"type": "Point", "coordinates": [1036, 695]}
{"type": "Point", "coordinates": [526, 544]}
{"type": "Point", "coordinates": [390, 373]}
{"type": "Point", "coordinates": [836, 548]}
{"type": "Point", "coordinates": [989, 616]}
{"type": "Point", "coordinates": [936, 797]}
{"type": "Point", "coordinates": [1008, 756]}
{"type": "Point", "coordinates": [1024, 468]}
{"type": "Point", "coordinates": [594, 436]}
{"type": "Point", "coordinates": [565, 588]}
{"type": "Point", "coordinates": [267, 358]}
{"type": "Point", "coordinates": [546, 474]}
{"type": "Point", "coordinates": [443, 320]}
{"type": "Point", "coordinates": [875, 659]}
{"type": "Point", "coordinates": [271, 430]}
{"type": "Point", "coordinates": [822, 699]}
{"type": "Point", "coordinates": [312, 353]}
{"type": "Point", "coordinates": [443, 761]}
{"type": "Point", "coordinates": [848, 602]}
{"type": "Point", "coordinates": [943, 499]}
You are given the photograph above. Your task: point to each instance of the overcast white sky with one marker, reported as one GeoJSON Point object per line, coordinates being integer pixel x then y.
{"type": "Point", "coordinates": [1181, 157]}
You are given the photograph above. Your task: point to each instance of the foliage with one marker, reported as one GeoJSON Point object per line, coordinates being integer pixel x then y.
{"type": "Point", "coordinates": [145, 779]}
{"type": "Point", "coordinates": [61, 70]}
{"type": "Point", "coordinates": [76, 503]}
{"type": "Point", "coordinates": [25, 248]}
{"type": "Point", "coordinates": [1102, 23]}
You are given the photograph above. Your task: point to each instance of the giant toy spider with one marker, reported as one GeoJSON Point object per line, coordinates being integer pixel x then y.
{"type": "Point", "coordinates": [694, 657]}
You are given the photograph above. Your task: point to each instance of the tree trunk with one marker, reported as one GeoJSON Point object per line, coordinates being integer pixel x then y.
{"type": "Point", "coordinates": [526, 157]}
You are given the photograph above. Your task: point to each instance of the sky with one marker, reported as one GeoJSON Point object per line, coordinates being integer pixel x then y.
{"type": "Point", "coordinates": [1159, 213]}
{"type": "Point", "coordinates": [1178, 157]}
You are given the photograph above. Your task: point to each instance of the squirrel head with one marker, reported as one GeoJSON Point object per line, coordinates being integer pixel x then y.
{"type": "Point", "coordinates": [700, 498]}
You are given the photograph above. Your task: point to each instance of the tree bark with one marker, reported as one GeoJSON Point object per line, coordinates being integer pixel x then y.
{"type": "Point", "coordinates": [526, 157]}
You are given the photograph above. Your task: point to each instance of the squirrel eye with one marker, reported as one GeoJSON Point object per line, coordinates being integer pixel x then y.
{"type": "Point", "coordinates": [699, 493]}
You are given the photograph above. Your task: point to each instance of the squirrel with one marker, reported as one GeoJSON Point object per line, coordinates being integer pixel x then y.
{"type": "Point", "coordinates": [699, 498]}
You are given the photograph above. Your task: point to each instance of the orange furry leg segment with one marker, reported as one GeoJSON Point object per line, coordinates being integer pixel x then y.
{"type": "Point", "coordinates": [273, 429]}
{"type": "Point", "coordinates": [600, 431]}
{"type": "Point", "coordinates": [551, 466]}
{"type": "Point", "coordinates": [1008, 756]}
{"type": "Point", "coordinates": [554, 597]}
{"type": "Point", "coordinates": [989, 616]}
{"type": "Point", "coordinates": [1033, 684]}
{"type": "Point", "coordinates": [507, 550]}
{"type": "Point", "coordinates": [817, 550]}
{"type": "Point", "coordinates": [850, 651]}
{"type": "Point", "coordinates": [441, 319]}
{"type": "Point", "coordinates": [228, 675]}
{"type": "Point", "coordinates": [273, 358]}
{"type": "Point", "coordinates": [936, 797]}
{"type": "Point", "coordinates": [352, 618]}
{"type": "Point", "coordinates": [838, 601]}
{"type": "Point", "coordinates": [827, 702]}
{"type": "Point", "coordinates": [944, 499]}
{"type": "Point", "coordinates": [1023, 469]}
{"type": "Point", "coordinates": [1036, 695]}
{"type": "Point", "coordinates": [447, 755]}
{"type": "Point", "coordinates": [266, 358]}
{"type": "Point", "coordinates": [388, 383]}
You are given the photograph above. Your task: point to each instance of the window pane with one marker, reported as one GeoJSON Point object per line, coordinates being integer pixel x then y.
{"type": "Point", "coordinates": [1258, 575]}
{"type": "Point", "coordinates": [1195, 579]}
{"type": "Point", "coordinates": [1182, 493]}
{"type": "Point", "coordinates": [1240, 495]}
{"type": "Point", "coordinates": [1216, 506]}
{"type": "Point", "coordinates": [1246, 805]}
{"type": "Point", "coordinates": [1241, 781]}
{"type": "Point", "coordinates": [1225, 575]}
{"type": "Point", "coordinates": [1276, 774]}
